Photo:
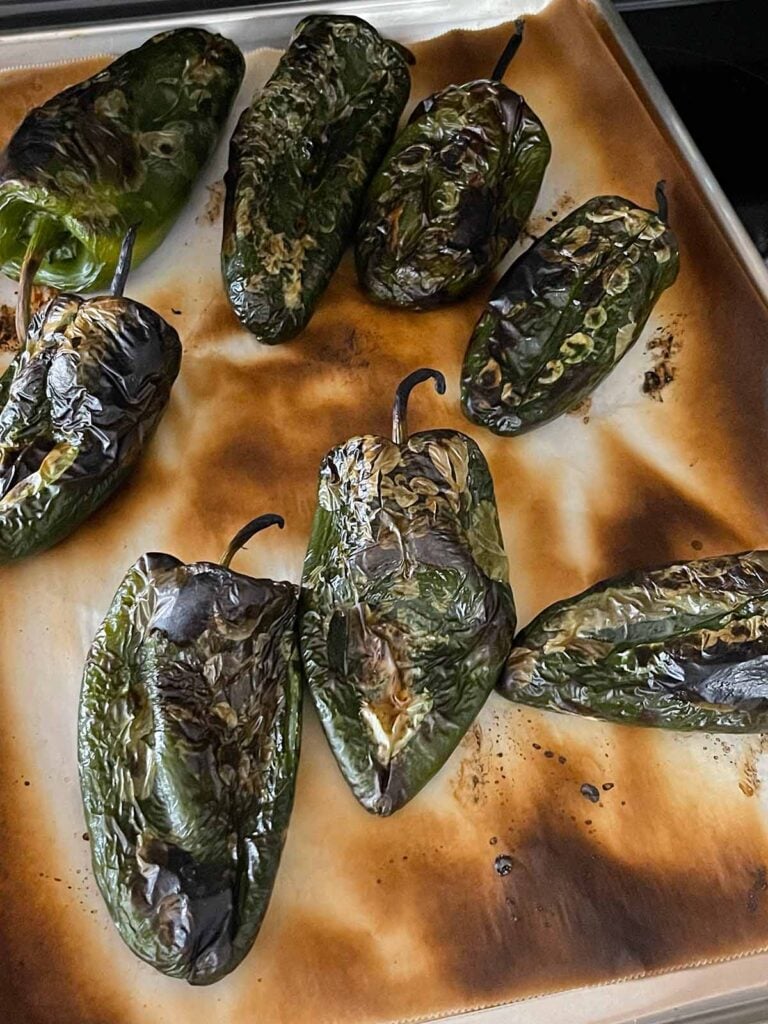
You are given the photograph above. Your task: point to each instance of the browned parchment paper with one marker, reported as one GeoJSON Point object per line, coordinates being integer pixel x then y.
{"type": "Point", "coordinates": [375, 921]}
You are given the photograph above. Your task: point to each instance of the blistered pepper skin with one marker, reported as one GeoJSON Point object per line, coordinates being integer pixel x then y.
{"type": "Point", "coordinates": [451, 196]}
{"type": "Point", "coordinates": [406, 613]}
{"type": "Point", "coordinates": [77, 406]}
{"type": "Point", "coordinates": [681, 647]}
{"type": "Point", "coordinates": [565, 313]}
{"type": "Point", "coordinates": [188, 743]}
{"type": "Point", "coordinates": [300, 159]}
{"type": "Point", "coordinates": [121, 148]}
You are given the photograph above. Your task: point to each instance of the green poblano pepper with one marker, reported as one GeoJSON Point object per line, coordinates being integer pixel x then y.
{"type": "Point", "coordinates": [453, 192]}
{"type": "Point", "coordinates": [77, 406]}
{"type": "Point", "coordinates": [684, 647]}
{"type": "Point", "coordinates": [300, 159]}
{"type": "Point", "coordinates": [566, 312]}
{"type": "Point", "coordinates": [123, 147]}
{"type": "Point", "coordinates": [406, 613]}
{"type": "Point", "coordinates": [189, 732]}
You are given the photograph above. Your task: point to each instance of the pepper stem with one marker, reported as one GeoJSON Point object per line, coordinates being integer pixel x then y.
{"type": "Point", "coordinates": [400, 405]}
{"type": "Point", "coordinates": [509, 52]}
{"type": "Point", "coordinates": [43, 232]}
{"type": "Point", "coordinates": [123, 267]}
{"type": "Point", "coordinates": [245, 534]}
{"type": "Point", "coordinates": [662, 205]}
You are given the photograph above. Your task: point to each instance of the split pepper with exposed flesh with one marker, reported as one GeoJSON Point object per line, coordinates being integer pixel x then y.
{"type": "Point", "coordinates": [406, 613]}
{"type": "Point", "coordinates": [300, 159]}
{"type": "Point", "coordinates": [78, 405]}
{"type": "Point", "coordinates": [189, 731]}
{"type": "Point", "coordinates": [453, 193]}
{"type": "Point", "coordinates": [566, 312]}
{"type": "Point", "coordinates": [123, 147]}
{"type": "Point", "coordinates": [683, 647]}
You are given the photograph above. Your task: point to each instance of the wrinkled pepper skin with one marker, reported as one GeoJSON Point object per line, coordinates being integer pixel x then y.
{"type": "Point", "coordinates": [406, 613]}
{"type": "Point", "coordinates": [682, 647]}
{"type": "Point", "coordinates": [77, 406]}
{"type": "Point", "coordinates": [300, 159]}
{"type": "Point", "coordinates": [123, 147]}
{"type": "Point", "coordinates": [189, 732]}
{"type": "Point", "coordinates": [451, 196]}
{"type": "Point", "coordinates": [565, 313]}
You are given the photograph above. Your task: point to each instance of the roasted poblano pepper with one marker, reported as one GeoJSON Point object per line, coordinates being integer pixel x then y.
{"type": "Point", "coordinates": [684, 646]}
{"type": "Point", "coordinates": [566, 312]}
{"type": "Point", "coordinates": [406, 613]}
{"type": "Point", "coordinates": [300, 159]}
{"type": "Point", "coordinates": [453, 192]}
{"type": "Point", "coordinates": [123, 147]}
{"type": "Point", "coordinates": [77, 406]}
{"type": "Point", "coordinates": [190, 718]}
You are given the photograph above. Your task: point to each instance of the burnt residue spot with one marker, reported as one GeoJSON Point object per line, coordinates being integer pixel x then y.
{"type": "Point", "coordinates": [212, 210]}
{"type": "Point", "coordinates": [8, 340]}
{"type": "Point", "coordinates": [607, 786]}
{"type": "Point", "coordinates": [536, 746]}
{"type": "Point", "coordinates": [176, 312]}
{"type": "Point", "coordinates": [493, 840]}
{"type": "Point", "coordinates": [582, 409]}
{"type": "Point", "coordinates": [86, 837]}
{"type": "Point", "coordinates": [755, 891]}
{"type": "Point", "coordinates": [590, 792]}
{"type": "Point", "coordinates": [561, 759]}
{"type": "Point", "coordinates": [662, 347]}
{"type": "Point", "coordinates": [503, 864]}
{"type": "Point", "coordinates": [549, 753]}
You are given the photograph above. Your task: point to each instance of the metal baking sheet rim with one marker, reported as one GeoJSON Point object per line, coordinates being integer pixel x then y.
{"type": "Point", "coordinates": [749, 1004]}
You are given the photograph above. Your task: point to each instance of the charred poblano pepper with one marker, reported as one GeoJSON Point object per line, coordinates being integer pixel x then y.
{"type": "Point", "coordinates": [566, 312]}
{"type": "Point", "coordinates": [190, 720]}
{"type": "Point", "coordinates": [300, 159]}
{"type": "Point", "coordinates": [406, 613]}
{"type": "Point", "coordinates": [684, 647]}
{"type": "Point", "coordinates": [453, 192]}
{"type": "Point", "coordinates": [123, 147]}
{"type": "Point", "coordinates": [77, 406]}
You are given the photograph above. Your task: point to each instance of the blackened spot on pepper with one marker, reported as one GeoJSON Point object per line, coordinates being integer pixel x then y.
{"type": "Point", "coordinates": [503, 864]}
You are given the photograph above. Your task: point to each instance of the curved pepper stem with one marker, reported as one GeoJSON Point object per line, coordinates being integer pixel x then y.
{"type": "Point", "coordinates": [508, 52]}
{"type": "Point", "coordinates": [123, 268]}
{"type": "Point", "coordinates": [400, 406]}
{"type": "Point", "coordinates": [662, 204]}
{"type": "Point", "coordinates": [243, 535]}
{"type": "Point", "coordinates": [43, 234]}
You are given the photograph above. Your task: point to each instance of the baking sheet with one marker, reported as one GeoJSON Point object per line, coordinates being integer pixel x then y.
{"type": "Point", "coordinates": [376, 921]}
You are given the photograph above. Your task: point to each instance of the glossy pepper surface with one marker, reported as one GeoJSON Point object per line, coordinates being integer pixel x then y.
{"type": "Point", "coordinates": [189, 730]}
{"type": "Point", "coordinates": [453, 192]}
{"type": "Point", "coordinates": [566, 312]}
{"type": "Point", "coordinates": [406, 612]}
{"type": "Point", "coordinates": [123, 147]}
{"type": "Point", "coordinates": [684, 647]}
{"type": "Point", "coordinates": [77, 406]}
{"type": "Point", "coordinates": [300, 159]}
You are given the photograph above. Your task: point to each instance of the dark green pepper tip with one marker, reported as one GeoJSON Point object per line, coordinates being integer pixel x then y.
{"type": "Point", "coordinates": [123, 267]}
{"type": "Point", "coordinates": [249, 530]}
{"type": "Point", "coordinates": [43, 232]}
{"type": "Point", "coordinates": [403, 393]}
{"type": "Point", "coordinates": [662, 204]}
{"type": "Point", "coordinates": [509, 51]}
